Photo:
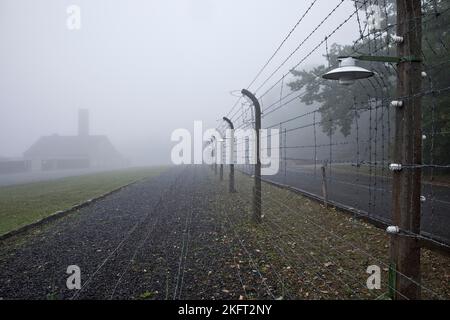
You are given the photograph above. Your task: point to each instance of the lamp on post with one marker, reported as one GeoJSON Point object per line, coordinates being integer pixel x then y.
{"type": "Point", "coordinates": [221, 141]}
{"type": "Point", "coordinates": [231, 125]}
{"type": "Point", "coordinates": [214, 152]}
{"type": "Point", "coordinates": [348, 71]}
{"type": "Point", "coordinates": [406, 184]}
{"type": "Point", "coordinates": [257, 188]}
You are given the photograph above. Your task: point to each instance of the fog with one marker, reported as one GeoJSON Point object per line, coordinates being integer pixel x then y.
{"type": "Point", "coordinates": [142, 68]}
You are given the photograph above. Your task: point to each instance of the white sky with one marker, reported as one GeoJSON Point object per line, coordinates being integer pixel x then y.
{"type": "Point", "coordinates": [143, 68]}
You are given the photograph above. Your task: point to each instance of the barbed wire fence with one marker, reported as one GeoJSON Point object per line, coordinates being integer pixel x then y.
{"type": "Point", "coordinates": [338, 144]}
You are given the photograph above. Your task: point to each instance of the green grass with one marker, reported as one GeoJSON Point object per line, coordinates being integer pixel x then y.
{"type": "Point", "coordinates": [23, 204]}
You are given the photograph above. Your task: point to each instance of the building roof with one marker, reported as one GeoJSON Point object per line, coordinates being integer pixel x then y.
{"type": "Point", "coordinates": [56, 146]}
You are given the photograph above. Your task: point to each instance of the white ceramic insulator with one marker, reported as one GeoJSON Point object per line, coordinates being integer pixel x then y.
{"type": "Point", "coordinates": [395, 167]}
{"type": "Point", "coordinates": [397, 103]}
{"type": "Point", "coordinates": [396, 39]}
{"type": "Point", "coordinates": [393, 229]}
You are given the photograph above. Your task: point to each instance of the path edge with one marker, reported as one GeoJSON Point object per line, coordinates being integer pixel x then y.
{"type": "Point", "coordinates": [61, 213]}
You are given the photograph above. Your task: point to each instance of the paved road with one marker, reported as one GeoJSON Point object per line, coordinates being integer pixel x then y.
{"type": "Point", "coordinates": [156, 239]}
{"type": "Point", "coordinates": [371, 195]}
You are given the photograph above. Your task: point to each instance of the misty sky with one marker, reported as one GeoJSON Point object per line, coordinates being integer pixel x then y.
{"type": "Point", "coordinates": [143, 68]}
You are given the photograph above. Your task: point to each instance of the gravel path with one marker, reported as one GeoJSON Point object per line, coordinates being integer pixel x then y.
{"type": "Point", "coordinates": [156, 239]}
{"type": "Point", "coordinates": [181, 235]}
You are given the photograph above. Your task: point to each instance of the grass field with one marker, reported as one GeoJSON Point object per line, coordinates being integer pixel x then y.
{"type": "Point", "coordinates": [21, 205]}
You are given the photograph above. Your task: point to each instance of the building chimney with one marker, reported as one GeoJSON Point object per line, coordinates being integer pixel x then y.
{"type": "Point", "coordinates": [83, 122]}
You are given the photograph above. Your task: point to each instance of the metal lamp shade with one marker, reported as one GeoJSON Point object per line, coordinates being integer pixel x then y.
{"type": "Point", "coordinates": [348, 72]}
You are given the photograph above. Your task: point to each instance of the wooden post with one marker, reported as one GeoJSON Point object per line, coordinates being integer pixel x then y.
{"type": "Point", "coordinates": [285, 156]}
{"type": "Point", "coordinates": [324, 185]}
{"type": "Point", "coordinates": [406, 188]}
